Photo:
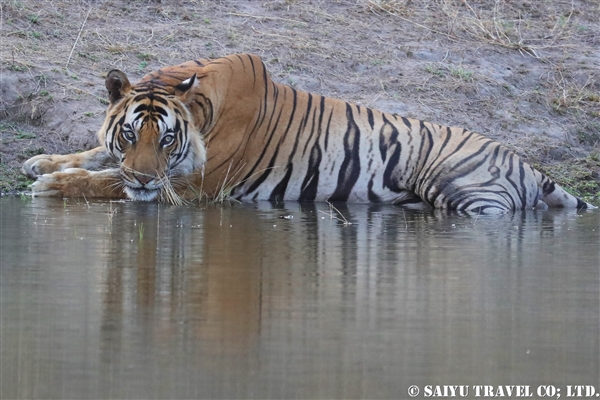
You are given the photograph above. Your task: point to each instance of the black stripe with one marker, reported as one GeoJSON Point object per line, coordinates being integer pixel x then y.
{"type": "Point", "coordinates": [424, 150]}
{"type": "Point", "coordinates": [389, 169]}
{"type": "Point", "coordinates": [326, 141]}
{"type": "Point", "coordinates": [350, 168]}
{"type": "Point", "coordinates": [253, 69]}
{"type": "Point", "coordinates": [548, 186]}
{"type": "Point", "coordinates": [271, 135]}
{"type": "Point", "coordinates": [310, 183]}
{"type": "Point", "coordinates": [140, 108]}
{"type": "Point", "coordinates": [373, 198]}
{"type": "Point", "coordinates": [442, 164]}
{"type": "Point", "coordinates": [383, 146]}
{"type": "Point", "coordinates": [433, 164]}
{"type": "Point", "coordinates": [207, 109]}
{"type": "Point", "coordinates": [451, 176]}
{"type": "Point", "coordinates": [113, 139]}
{"type": "Point", "coordinates": [303, 122]}
{"type": "Point", "coordinates": [161, 100]}
{"type": "Point", "coordinates": [385, 142]}
{"type": "Point", "coordinates": [487, 200]}
{"type": "Point", "coordinates": [312, 132]}
{"type": "Point", "coordinates": [269, 169]}
{"type": "Point", "coordinates": [466, 191]}
{"type": "Point", "coordinates": [262, 112]}
{"type": "Point", "coordinates": [266, 81]}
{"type": "Point", "coordinates": [407, 123]}
{"type": "Point", "coordinates": [141, 97]}
{"type": "Point", "coordinates": [111, 121]}
{"type": "Point", "coordinates": [278, 193]}
{"type": "Point", "coordinates": [321, 109]}
{"type": "Point", "coordinates": [239, 57]}
{"type": "Point", "coordinates": [509, 174]}
{"type": "Point", "coordinates": [370, 118]}
{"type": "Point", "coordinates": [182, 135]}
{"type": "Point", "coordinates": [523, 192]}
{"type": "Point", "coordinates": [161, 111]}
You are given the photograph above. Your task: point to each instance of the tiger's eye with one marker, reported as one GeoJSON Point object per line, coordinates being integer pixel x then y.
{"type": "Point", "coordinates": [129, 135]}
{"type": "Point", "coordinates": [167, 140]}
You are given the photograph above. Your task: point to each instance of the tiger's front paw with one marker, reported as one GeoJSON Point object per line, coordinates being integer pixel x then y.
{"type": "Point", "coordinates": [59, 184]}
{"type": "Point", "coordinates": [40, 165]}
{"type": "Point", "coordinates": [78, 182]}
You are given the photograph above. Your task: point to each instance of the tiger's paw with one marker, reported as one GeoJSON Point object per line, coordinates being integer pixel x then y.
{"type": "Point", "coordinates": [42, 164]}
{"type": "Point", "coordinates": [58, 184]}
{"type": "Point", "coordinates": [78, 182]}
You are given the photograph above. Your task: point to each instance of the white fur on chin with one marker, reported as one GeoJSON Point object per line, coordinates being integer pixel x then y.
{"type": "Point", "coordinates": [141, 195]}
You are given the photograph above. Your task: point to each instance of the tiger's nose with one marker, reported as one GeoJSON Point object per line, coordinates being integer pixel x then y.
{"type": "Point", "coordinates": [143, 178]}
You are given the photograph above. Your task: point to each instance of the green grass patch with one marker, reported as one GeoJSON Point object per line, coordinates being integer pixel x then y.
{"type": "Point", "coordinates": [580, 177]}
{"type": "Point", "coordinates": [12, 179]}
{"type": "Point", "coordinates": [434, 71]}
{"type": "Point", "coordinates": [25, 135]}
{"type": "Point", "coordinates": [461, 73]}
{"type": "Point", "coordinates": [144, 56]}
{"type": "Point", "coordinates": [17, 68]}
{"type": "Point", "coordinates": [8, 130]}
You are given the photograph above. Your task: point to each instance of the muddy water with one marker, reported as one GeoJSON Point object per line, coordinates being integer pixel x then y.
{"type": "Point", "coordinates": [132, 300]}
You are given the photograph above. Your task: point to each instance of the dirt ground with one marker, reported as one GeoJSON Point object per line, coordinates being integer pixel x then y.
{"type": "Point", "coordinates": [524, 72]}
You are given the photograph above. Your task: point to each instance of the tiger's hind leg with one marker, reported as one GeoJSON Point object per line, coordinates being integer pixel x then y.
{"type": "Point", "coordinates": [475, 200]}
{"type": "Point", "coordinates": [95, 159]}
{"type": "Point", "coordinates": [410, 200]}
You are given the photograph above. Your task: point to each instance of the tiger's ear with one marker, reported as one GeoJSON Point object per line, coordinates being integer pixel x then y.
{"type": "Point", "coordinates": [117, 85]}
{"type": "Point", "coordinates": [184, 89]}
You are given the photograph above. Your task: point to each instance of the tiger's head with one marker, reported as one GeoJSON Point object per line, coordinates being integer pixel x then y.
{"type": "Point", "coordinates": [149, 129]}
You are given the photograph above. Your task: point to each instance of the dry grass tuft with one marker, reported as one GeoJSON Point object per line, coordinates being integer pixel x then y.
{"type": "Point", "coordinates": [394, 7]}
{"type": "Point", "coordinates": [507, 28]}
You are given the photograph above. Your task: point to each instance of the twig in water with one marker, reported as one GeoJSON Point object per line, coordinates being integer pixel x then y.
{"type": "Point", "coordinates": [340, 218]}
{"type": "Point", "coordinates": [477, 217]}
{"type": "Point", "coordinates": [110, 215]}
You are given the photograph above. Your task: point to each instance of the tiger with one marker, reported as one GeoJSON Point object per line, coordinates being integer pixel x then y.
{"type": "Point", "coordinates": [223, 127]}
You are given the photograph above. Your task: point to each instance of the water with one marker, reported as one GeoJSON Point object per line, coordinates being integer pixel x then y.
{"type": "Point", "coordinates": [135, 300]}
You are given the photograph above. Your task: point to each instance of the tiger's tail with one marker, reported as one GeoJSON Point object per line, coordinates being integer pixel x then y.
{"type": "Point", "coordinates": [554, 195]}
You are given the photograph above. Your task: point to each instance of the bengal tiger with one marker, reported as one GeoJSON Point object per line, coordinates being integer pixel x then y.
{"type": "Point", "coordinates": [224, 126]}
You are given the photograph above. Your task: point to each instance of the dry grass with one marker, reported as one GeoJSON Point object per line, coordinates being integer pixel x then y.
{"type": "Point", "coordinates": [505, 26]}
{"type": "Point", "coordinates": [393, 7]}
